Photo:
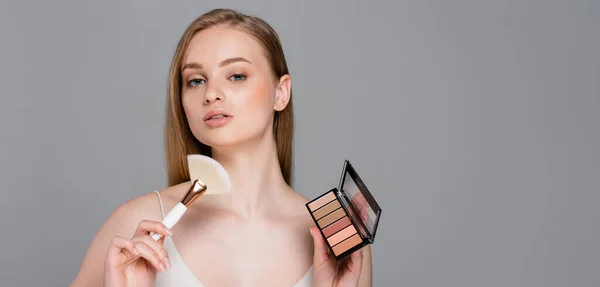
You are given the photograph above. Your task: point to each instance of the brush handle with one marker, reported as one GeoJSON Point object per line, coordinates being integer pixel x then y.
{"type": "Point", "coordinates": [172, 218]}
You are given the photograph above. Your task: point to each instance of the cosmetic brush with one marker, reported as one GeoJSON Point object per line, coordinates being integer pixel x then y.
{"type": "Point", "coordinates": [208, 177]}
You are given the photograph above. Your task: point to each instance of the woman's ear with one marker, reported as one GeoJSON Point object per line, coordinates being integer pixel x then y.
{"type": "Point", "coordinates": [282, 96]}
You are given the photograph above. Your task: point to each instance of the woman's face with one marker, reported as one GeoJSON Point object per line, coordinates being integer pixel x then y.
{"type": "Point", "coordinates": [225, 74]}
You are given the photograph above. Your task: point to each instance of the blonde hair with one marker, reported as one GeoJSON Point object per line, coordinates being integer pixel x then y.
{"type": "Point", "coordinates": [178, 138]}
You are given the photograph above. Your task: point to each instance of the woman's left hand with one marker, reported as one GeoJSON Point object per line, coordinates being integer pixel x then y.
{"type": "Point", "coordinates": [327, 272]}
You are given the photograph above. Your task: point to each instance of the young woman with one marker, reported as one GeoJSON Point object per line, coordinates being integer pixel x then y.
{"type": "Point", "coordinates": [232, 66]}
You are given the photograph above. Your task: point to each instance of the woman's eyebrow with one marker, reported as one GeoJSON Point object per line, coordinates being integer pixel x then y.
{"type": "Point", "coordinates": [233, 60]}
{"type": "Point", "coordinates": [225, 62]}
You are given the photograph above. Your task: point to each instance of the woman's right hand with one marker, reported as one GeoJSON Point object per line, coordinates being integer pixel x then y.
{"type": "Point", "coordinates": [135, 261]}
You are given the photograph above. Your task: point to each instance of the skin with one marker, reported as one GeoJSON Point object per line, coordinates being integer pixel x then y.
{"type": "Point", "coordinates": [257, 235]}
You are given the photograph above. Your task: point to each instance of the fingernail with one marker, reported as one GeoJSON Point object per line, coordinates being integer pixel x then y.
{"type": "Point", "coordinates": [162, 267]}
{"type": "Point", "coordinates": [135, 251]}
{"type": "Point", "coordinates": [169, 231]}
{"type": "Point", "coordinates": [311, 232]}
{"type": "Point", "coordinates": [168, 262]}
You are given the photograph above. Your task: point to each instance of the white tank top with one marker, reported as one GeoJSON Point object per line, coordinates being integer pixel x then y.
{"type": "Point", "coordinates": [180, 275]}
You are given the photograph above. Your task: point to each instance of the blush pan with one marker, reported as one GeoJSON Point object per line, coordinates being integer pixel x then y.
{"type": "Point", "coordinates": [347, 216]}
{"type": "Point", "coordinates": [336, 226]}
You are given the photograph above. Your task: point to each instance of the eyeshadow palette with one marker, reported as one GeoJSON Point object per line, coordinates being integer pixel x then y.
{"type": "Point", "coordinates": [348, 215]}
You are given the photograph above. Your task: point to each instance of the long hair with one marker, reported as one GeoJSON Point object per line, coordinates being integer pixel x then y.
{"type": "Point", "coordinates": [178, 138]}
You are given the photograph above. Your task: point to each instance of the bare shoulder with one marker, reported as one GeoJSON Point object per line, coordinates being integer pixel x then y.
{"type": "Point", "coordinates": [123, 221]}
{"type": "Point", "coordinates": [298, 217]}
{"type": "Point", "coordinates": [297, 205]}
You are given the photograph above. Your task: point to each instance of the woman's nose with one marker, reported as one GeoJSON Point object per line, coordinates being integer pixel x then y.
{"type": "Point", "coordinates": [213, 95]}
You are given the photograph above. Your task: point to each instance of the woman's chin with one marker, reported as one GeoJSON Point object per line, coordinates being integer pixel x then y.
{"type": "Point", "coordinates": [224, 143]}
{"type": "Point", "coordinates": [231, 143]}
{"type": "Point", "coordinates": [231, 139]}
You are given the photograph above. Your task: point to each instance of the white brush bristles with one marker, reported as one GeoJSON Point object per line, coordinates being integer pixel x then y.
{"type": "Point", "coordinates": [210, 172]}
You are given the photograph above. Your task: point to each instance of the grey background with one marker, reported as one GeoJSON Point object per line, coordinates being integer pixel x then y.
{"type": "Point", "coordinates": [474, 123]}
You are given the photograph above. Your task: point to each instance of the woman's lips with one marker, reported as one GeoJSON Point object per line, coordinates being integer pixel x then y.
{"type": "Point", "coordinates": [217, 121]}
{"type": "Point", "coordinates": [217, 118]}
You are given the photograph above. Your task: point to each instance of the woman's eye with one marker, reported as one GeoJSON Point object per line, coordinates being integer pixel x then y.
{"type": "Point", "coordinates": [195, 82]}
{"type": "Point", "coordinates": [237, 77]}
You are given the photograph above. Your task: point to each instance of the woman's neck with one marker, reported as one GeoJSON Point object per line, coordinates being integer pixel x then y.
{"type": "Point", "coordinates": [256, 179]}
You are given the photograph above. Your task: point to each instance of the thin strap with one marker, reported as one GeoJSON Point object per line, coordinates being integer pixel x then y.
{"type": "Point", "coordinates": [162, 211]}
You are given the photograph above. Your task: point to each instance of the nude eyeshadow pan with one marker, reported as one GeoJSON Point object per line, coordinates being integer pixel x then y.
{"type": "Point", "coordinates": [346, 216]}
